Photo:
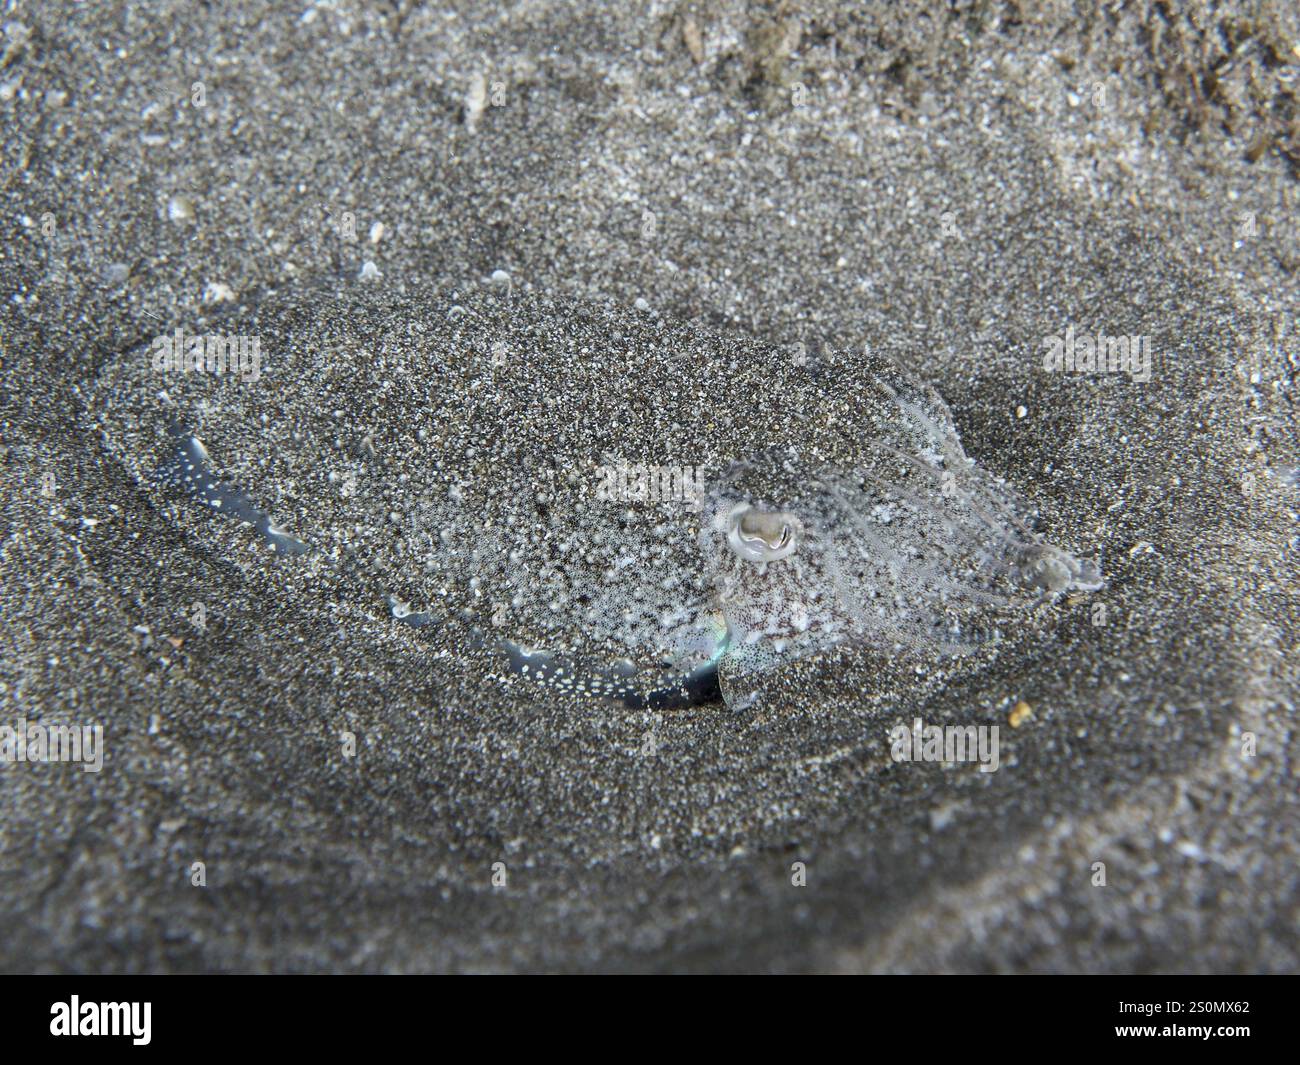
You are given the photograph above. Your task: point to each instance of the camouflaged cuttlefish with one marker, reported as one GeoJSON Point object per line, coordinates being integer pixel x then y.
{"type": "Point", "coordinates": [440, 463]}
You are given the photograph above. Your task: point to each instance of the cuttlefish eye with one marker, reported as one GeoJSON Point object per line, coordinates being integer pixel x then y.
{"type": "Point", "coordinates": [761, 535]}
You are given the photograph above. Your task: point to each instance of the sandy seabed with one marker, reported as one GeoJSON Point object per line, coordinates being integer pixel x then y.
{"type": "Point", "coordinates": [296, 786]}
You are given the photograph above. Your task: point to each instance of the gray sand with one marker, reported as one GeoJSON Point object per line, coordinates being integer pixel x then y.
{"type": "Point", "coordinates": [952, 188]}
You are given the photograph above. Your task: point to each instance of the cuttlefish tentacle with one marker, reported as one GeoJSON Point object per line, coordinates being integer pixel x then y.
{"type": "Point", "coordinates": [187, 466]}
{"type": "Point", "coordinates": [667, 691]}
